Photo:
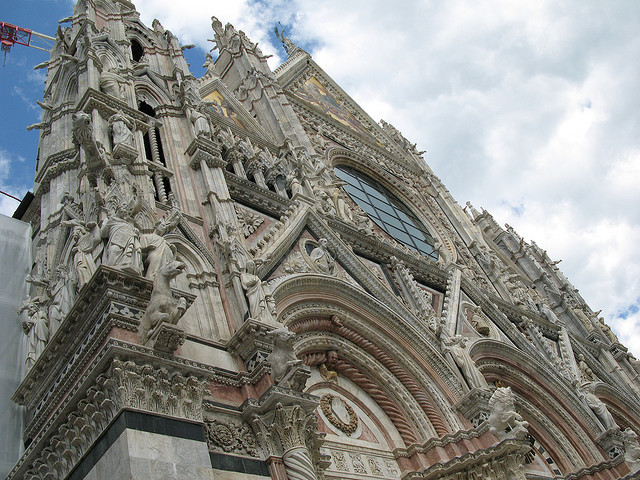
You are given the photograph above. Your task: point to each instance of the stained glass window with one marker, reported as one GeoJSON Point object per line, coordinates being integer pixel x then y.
{"type": "Point", "coordinates": [387, 211]}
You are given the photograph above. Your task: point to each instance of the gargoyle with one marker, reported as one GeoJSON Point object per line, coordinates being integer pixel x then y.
{"type": "Point", "coordinates": [162, 308]}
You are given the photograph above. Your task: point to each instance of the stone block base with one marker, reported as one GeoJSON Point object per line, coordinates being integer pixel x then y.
{"type": "Point", "coordinates": [140, 446]}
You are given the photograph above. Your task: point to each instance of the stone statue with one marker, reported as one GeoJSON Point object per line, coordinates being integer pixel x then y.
{"type": "Point", "coordinates": [579, 312]}
{"type": "Point", "coordinates": [322, 259]}
{"type": "Point", "coordinates": [519, 291]}
{"type": "Point", "coordinates": [209, 65]}
{"type": "Point", "coordinates": [123, 241]}
{"type": "Point", "coordinates": [328, 368]}
{"type": "Point", "coordinates": [344, 212]}
{"type": "Point", "coordinates": [283, 360]}
{"type": "Point", "coordinates": [236, 255]}
{"type": "Point", "coordinates": [87, 246]}
{"type": "Point", "coordinates": [478, 321]}
{"type": "Point", "coordinates": [111, 83]}
{"type": "Point", "coordinates": [294, 185]}
{"type": "Point", "coordinates": [585, 370]}
{"type": "Point", "coordinates": [631, 449]}
{"type": "Point", "coordinates": [189, 92]}
{"type": "Point", "coordinates": [35, 327]}
{"type": "Point", "coordinates": [62, 296]}
{"type": "Point", "coordinates": [162, 308]}
{"type": "Point", "coordinates": [288, 45]}
{"type": "Point", "coordinates": [504, 421]}
{"type": "Point", "coordinates": [121, 127]}
{"type": "Point", "coordinates": [547, 313]}
{"type": "Point", "coordinates": [471, 210]}
{"type": "Point", "coordinates": [201, 127]}
{"type": "Point", "coordinates": [258, 308]}
{"type": "Point", "coordinates": [598, 407]}
{"type": "Point", "coordinates": [82, 133]}
{"type": "Point", "coordinates": [606, 329]}
{"type": "Point", "coordinates": [456, 346]}
{"type": "Point", "coordinates": [158, 250]}
{"type": "Point", "coordinates": [633, 361]}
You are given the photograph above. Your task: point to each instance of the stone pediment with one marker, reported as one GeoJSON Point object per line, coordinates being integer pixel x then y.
{"type": "Point", "coordinates": [226, 109]}
{"type": "Point", "coordinates": [309, 86]}
{"type": "Point", "coordinates": [293, 246]}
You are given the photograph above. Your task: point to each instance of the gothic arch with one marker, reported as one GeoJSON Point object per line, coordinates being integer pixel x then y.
{"type": "Point", "coordinates": [625, 411]}
{"type": "Point", "coordinates": [147, 91]}
{"type": "Point", "coordinates": [348, 414]}
{"type": "Point", "coordinates": [135, 32]}
{"type": "Point", "coordinates": [391, 435]}
{"type": "Point", "coordinates": [200, 279]}
{"type": "Point", "coordinates": [110, 55]}
{"type": "Point", "coordinates": [307, 303]}
{"type": "Point", "coordinates": [67, 89]}
{"type": "Point", "coordinates": [340, 156]}
{"type": "Point", "coordinates": [376, 381]}
{"type": "Point", "coordinates": [559, 420]}
{"type": "Point", "coordinates": [107, 7]}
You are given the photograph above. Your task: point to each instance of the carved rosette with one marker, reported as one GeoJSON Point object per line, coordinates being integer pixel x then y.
{"type": "Point", "coordinates": [125, 385]}
{"type": "Point", "coordinates": [231, 437]}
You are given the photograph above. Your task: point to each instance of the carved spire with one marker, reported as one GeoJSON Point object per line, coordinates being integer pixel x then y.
{"type": "Point", "coordinates": [287, 43]}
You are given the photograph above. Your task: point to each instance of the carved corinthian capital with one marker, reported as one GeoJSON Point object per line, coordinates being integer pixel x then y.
{"type": "Point", "coordinates": [125, 384]}
{"type": "Point", "coordinates": [288, 432]}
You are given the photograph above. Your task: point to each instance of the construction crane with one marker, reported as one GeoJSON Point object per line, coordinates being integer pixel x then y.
{"type": "Point", "coordinates": [11, 35]}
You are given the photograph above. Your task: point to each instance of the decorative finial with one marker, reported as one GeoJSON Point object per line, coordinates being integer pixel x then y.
{"type": "Point", "coordinates": [288, 45]}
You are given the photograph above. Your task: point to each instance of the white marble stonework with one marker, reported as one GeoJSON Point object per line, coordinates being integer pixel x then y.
{"type": "Point", "coordinates": [225, 475]}
{"type": "Point", "coordinates": [137, 455]}
{"type": "Point", "coordinates": [251, 183]}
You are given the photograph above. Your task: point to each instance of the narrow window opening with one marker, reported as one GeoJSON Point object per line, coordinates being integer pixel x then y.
{"type": "Point", "coordinates": [136, 50]}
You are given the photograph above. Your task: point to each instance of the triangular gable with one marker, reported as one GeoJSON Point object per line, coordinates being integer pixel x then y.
{"type": "Point", "coordinates": [223, 106]}
{"type": "Point", "coordinates": [316, 94]}
{"type": "Point", "coordinates": [286, 249]}
{"type": "Point", "coordinates": [306, 83]}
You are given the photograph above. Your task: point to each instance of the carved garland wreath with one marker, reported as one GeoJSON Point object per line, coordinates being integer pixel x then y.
{"type": "Point", "coordinates": [348, 428]}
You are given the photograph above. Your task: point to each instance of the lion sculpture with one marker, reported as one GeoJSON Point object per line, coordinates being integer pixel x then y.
{"type": "Point", "coordinates": [162, 308]}
{"type": "Point", "coordinates": [504, 421]}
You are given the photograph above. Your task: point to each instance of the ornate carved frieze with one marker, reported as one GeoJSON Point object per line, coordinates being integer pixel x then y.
{"type": "Point", "coordinates": [506, 460]}
{"type": "Point", "coordinates": [125, 384]}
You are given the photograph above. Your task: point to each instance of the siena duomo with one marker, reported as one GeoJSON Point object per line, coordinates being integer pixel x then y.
{"type": "Point", "coordinates": [244, 276]}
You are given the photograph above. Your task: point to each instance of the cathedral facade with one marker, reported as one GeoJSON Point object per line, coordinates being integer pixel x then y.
{"type": "Point", "coordinates": [243, 276]}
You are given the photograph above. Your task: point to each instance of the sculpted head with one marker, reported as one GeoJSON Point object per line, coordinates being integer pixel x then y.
{"type": "Point", "coordinates": [332, 359]}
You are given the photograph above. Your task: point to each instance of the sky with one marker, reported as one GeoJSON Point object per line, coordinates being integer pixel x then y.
{"type": "Point", "coordinates": [530, 110]}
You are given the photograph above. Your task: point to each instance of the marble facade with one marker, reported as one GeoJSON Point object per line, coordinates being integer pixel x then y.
{"type": "Point", "coordinates": [245, 276]}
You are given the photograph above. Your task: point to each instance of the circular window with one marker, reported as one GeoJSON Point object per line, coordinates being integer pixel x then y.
{"type": "Point", "coordinates": [387, 211]}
